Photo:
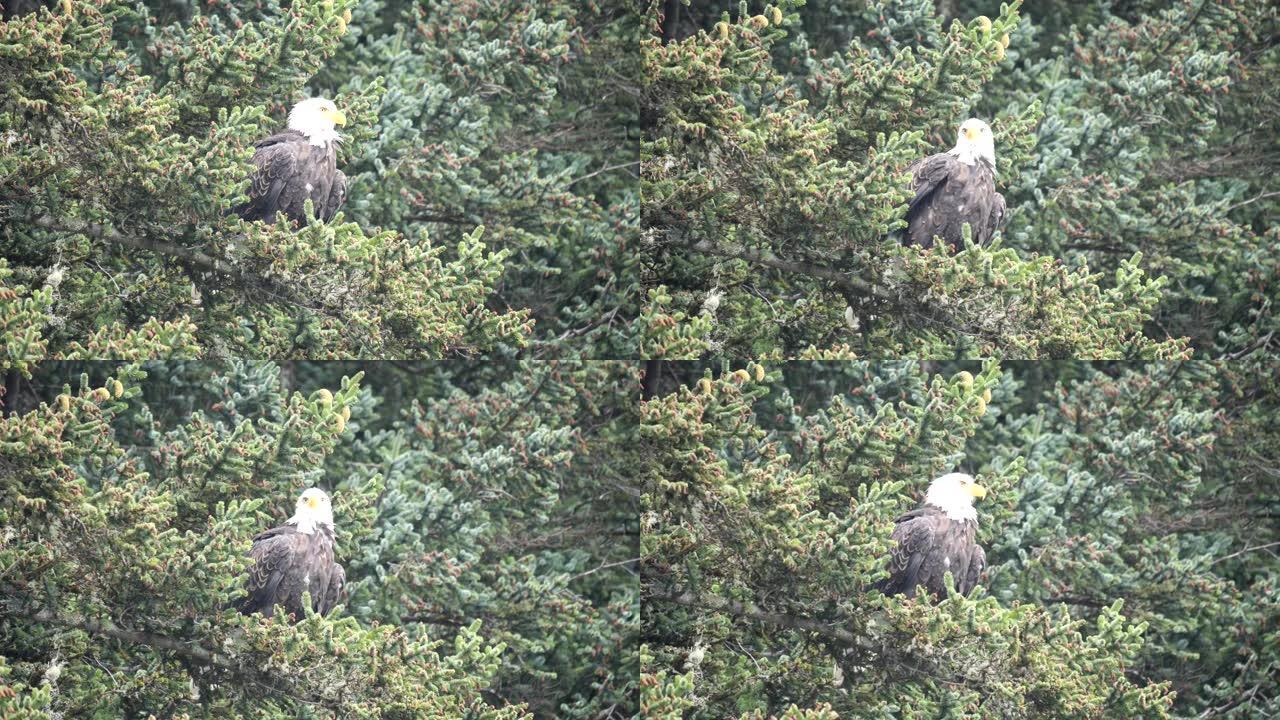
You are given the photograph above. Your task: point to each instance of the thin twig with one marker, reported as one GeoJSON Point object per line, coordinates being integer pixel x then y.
{"type": "Point", "coordinates": [602, 567]}
{"type": "Point", "coordinates": [1241, 552]}
{"type": "Point", "coordinates": [607, 168]}
{"type": "Point", "coordinates": [1253, 200]}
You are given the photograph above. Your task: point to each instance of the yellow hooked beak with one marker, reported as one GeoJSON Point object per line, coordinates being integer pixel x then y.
{"type": "Point", "coordinates": [977, 491]}
{"type": "Point", "coordinates": [313, 502]}
{"type": "Point", "coordinates": [339, 118]}
{"type": "Point", "coordinates": [970, 133]}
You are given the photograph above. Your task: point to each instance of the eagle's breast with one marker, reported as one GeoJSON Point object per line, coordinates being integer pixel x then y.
{"type": "Point", "coordinates": [950, 193]}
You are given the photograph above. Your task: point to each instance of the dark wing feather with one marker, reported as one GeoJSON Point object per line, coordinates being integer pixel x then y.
{"type": "Point", "coordinates": [276, 159]}
{"type": "Point", "coordinates": [998, 218]}
{"type": "Point", "coordinates": [290, 171]}
{"type": "Point", "coordinates": [948, 195]}
{"type": "Point", "coordinates": [927, 176]}
{"type": "Point", "coordinates": [287, 564]}
{"type": "Point", "coordinates": [913, 536]}
{"type": "Point", "coordinates": [337, 196]}
{"type": "Point", "coordinates": [977, 566]}
{"type": "Point", "coordinates": [336, 592]}
{"type": "Point", "coordinates": [928, 545]}
{"type": "Point", "coordinates": [272, 554]}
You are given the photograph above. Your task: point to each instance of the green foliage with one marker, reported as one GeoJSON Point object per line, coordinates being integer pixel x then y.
{"type": "Point", "coordinates": [768, 505]}
{"type": "Point", "coordinates": [19, 701]}
{"type": "Point", "coordinates": [664, 695]}
{"type": "Point", "coordinates": [24, 314]}
{"type": "Point", "coordinates": [482, 516]}
{"type": "Point", "coordinates": [773, 175]}
{"type": "Point", "coordinates": [1151, 485]}
{"type": "Point", "coordinates": [665, 333]}
{"type": "Point", "coordinates": [1188, 191]}
{"type": "Point", "coordinates": [127, 130]}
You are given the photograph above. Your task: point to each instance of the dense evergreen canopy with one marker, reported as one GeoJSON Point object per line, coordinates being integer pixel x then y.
{"type": "Point", "coordinates": [1130, 535]}
{"type": "Point", "coordinates": [489, 153]}
{"type": "Point", "coordinates": [484, 520]}
{"type": "Point", "coordinates": [616, 335]}
{"type": "Point", "coordinates": [1136, 145]}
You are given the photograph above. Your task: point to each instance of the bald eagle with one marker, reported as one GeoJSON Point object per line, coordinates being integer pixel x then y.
{"type": "Point", "coordinates": [298, 164]}
{"type": "Point", "coordinates": [296, 557]}
{"type": "Point", "coordinates": [936, 538]}
{"type": "Point", "coordinates": [954, 188]}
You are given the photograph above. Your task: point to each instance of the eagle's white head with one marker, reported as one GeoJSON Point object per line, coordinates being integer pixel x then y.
{"type": "Point", "coordinates": [316, 118]}
{"type": "Point", "coordinates": [975, 141]}
{"type": "Point", "coordinates": [314, 508]}
{"type": "Point", "coordinates": [954, 494]}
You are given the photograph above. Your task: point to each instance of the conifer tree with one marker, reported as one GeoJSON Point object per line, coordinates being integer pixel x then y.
{"type": "Point", "coordinates": [1158, 137]}
{"type": "Point", "coordinates": [482, 517]}
{"type": "Point", "coordinates": [491, 196]}
{"type": "Point", "coordinates": [1154, 485]}
{"type": "Point", "coordinates": [779, 134]}
{"type": "Point", "coordinates": [1132, 571]}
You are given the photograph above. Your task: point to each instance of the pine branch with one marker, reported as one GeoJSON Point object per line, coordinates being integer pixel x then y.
{"type": "Point", "coordinates": [1246, 550]}
{"type": "Point", "coordinates": [1259, 344]}
{"type": "Point", "coordinates": [603, 566]}
{"type": "Point", "coordinates": [605, 169]}
{"type": "Point", "coordinates": [102, 232]}
{"type": "Point", "coordinates": [189, 257]}
{"type": "Point", "coordinates": [1262, 196]}
{"type": "Point", "coordinates": [1081, 601]}
{"type": "Point", "coordinates": [191, 651]}
{"type": "Point", "coordinates": [443, 620]}
{"type": "Point", "coordinates": [845, 281]}
{"type": "Point", "coordinates": [852, 284]}
{"type": "Point", "coordinates": [752, 612]}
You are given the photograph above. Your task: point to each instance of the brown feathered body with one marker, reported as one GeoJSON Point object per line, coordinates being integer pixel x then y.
{"type": "Point", "coordinates": [949, 193]}
{"type": "Point", "coordinates": [928, 544]}
{"type": "Point", "coordinates": [291, 170]}
{"type": "Point", "coordinates": [287, 563]}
